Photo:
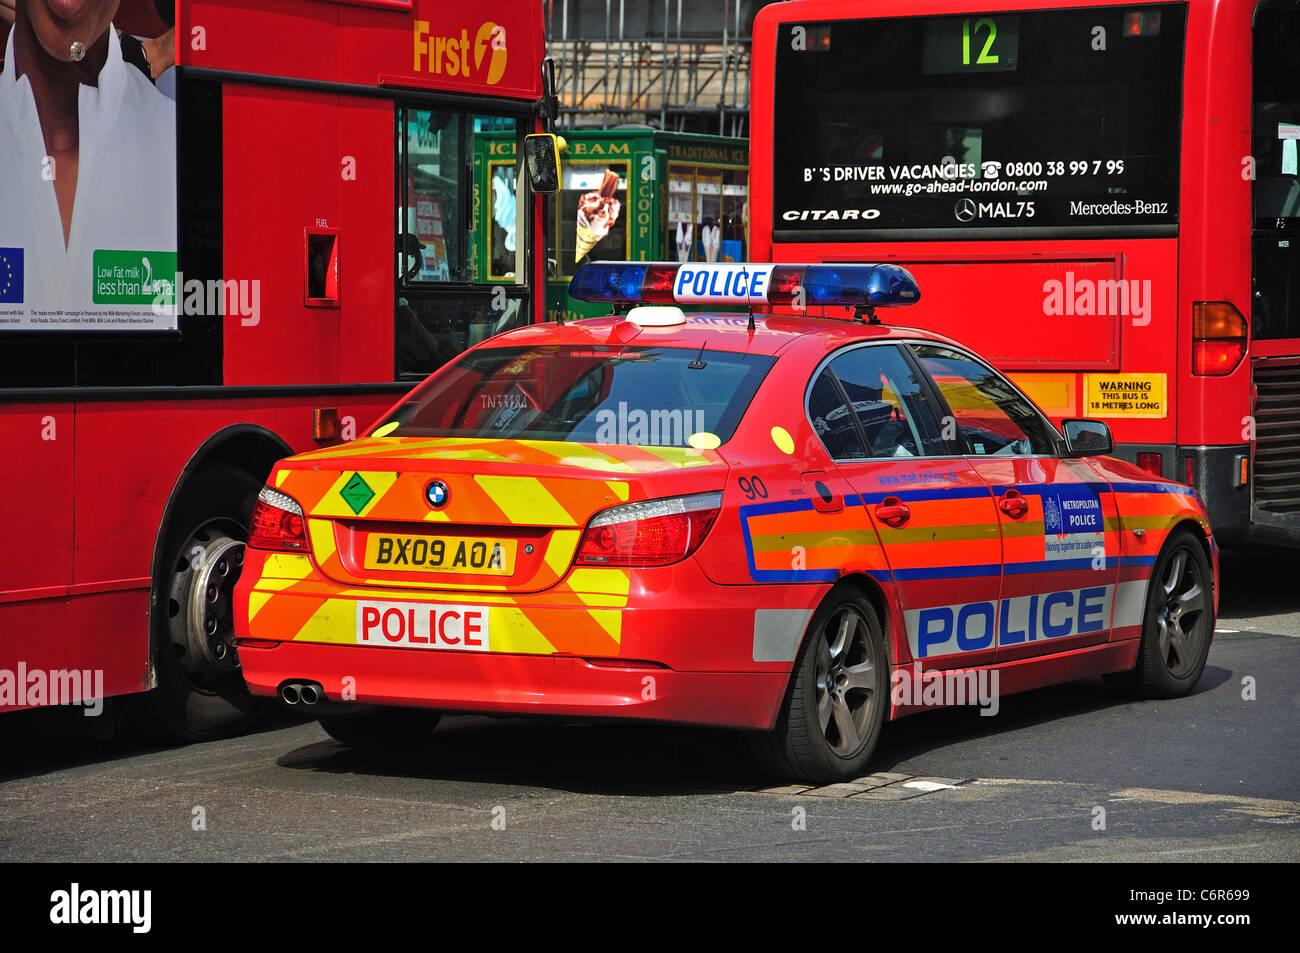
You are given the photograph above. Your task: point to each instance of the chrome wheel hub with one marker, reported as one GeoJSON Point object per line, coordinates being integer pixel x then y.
{"type": "Point", "coordinates": [1180, 623]}
{"type": "Point", "coordinates": [201, 605]}
{"type": "Point", "coordinates": [846, 681]}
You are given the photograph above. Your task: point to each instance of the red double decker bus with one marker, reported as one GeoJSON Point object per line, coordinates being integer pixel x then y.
{"type": "Point", "coordinates": [1102, 198]}
{"type": "Point", "coordinates": [207, 268]}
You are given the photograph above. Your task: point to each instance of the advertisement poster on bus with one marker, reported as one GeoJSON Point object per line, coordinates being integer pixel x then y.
{"type": "Point", "coordinates": [88, 238]}
{"type": "Point", "coordinates": [429, 230]}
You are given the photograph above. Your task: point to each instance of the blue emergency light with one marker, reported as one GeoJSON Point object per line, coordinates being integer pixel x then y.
{"type": "Point", "coordinates": [656, 282]}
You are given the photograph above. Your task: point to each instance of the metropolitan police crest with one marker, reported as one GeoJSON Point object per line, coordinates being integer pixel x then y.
{"type": "Point", "coordinates": [1051, 516]}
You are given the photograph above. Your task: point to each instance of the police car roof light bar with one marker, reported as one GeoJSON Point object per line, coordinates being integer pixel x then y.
{"type": "Point", "coordinates": [862, 286]}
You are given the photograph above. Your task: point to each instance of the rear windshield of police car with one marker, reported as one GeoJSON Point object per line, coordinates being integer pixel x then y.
{"type": "Point", "coordinates": [639, 396]}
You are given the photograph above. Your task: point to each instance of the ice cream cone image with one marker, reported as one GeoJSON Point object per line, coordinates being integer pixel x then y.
{"type": "Point", "coordinates": [597, 213]}
{"type": "Point", "coordinates": [587, 237]}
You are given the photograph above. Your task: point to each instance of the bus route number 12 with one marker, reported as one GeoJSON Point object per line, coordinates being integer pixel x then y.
{"type": "Point", "coordinates": [986, 55]}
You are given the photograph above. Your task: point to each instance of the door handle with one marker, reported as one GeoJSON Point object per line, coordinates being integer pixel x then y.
{"type": "Point", "coordinates": [892, 511]}
{"type": "Point", "coordinates": [1013, 504]}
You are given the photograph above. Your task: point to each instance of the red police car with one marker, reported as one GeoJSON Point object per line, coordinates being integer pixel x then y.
{"type": "Point", "coordinates": [799, 526]}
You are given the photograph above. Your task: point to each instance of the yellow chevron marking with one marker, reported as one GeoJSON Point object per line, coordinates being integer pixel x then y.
{"type": "Point", "coordinates": [590, 463]}
{"type": "Point", "coordinates": [602, 600]}
{"type": "Point", "coordinates": [509, 630]}
{"type": "Point", "coordinates": [525, 500]}
{"type": "Point", "coordinates": [618, 488]}
{"type": "Point", "coordinates": [290, 566]}
{"type": "Point", "coordinates": [274, 585]}
{"type": "Point", "coordinates": [358, 448]}
{"type": "Point", "coordinates": [611, 620]}
{"type": "Point", "coordinates": [436, 516]}
{"type": "Point", "coordinates": [255, 602]}
{"type": "Point", "coordinates": [423, 586]}
{"type": "Point", "coordinates": [560, 551]}
{"type": "Point", "coordinates": [280, 477]}
{"type": "Point", "coordinates": [399, 595]}
{"type": "Point", "coordinates": [333, 505]}
{"type": "Point", "coordinates": [680, 457]}
{"type": "Point", "coordinates": [481, 456]}
{"type": "Point", "coordinates": [322, 539]}
{"type": "Point", "coordinates": [613, 582]}
{"type": "Point", "coordinates": [335, 621]}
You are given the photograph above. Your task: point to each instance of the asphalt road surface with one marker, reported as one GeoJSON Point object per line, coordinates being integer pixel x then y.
{"type": "Point", "coordinates": [1065, 773]}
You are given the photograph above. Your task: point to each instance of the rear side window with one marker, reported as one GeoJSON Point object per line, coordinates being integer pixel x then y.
{"type": "Point", "coordinates": [992, 417]}
{"type": "Point", "coordinates": [869, 403]}
{"type": "Point", "coordinates": [647, 396]}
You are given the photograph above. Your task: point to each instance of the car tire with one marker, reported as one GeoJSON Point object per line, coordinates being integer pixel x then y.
{"type": "Point", "coordinates": [836, 705]}
{"type": "Point", "coordinates": [1177, 623]}
{"type": "Point", "coordinates": [386, 728]}
{"type": "Point", "coordinates": [200, 692]}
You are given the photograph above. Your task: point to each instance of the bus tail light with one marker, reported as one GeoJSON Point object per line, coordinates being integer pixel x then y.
{"type": "Point", "coordinates": [1152, 463]}
{"type": "Point", "coordinates": [325, 424]}
{"type": "Point", "coordinates": [1142, 23]}
{"type": "Point", "coordinates": [1218, 338]}
{"type": "Point", "coordinates": [277, 523]}
{"type": "Point", "coordinates": [653, 533]}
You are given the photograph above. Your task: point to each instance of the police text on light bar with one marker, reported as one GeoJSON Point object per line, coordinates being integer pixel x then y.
{"type": "Point", "coordinates": [868, 285]}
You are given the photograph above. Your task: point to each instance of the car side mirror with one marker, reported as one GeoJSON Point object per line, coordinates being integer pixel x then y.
{"type": "Point", "coordinates": [1087, 438]}
{"type": "Point", "coordinates": [542, 158]}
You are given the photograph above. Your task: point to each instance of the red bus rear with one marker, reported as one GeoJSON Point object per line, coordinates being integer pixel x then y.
{"type": "Point", "coordinates": [1102, 199]}
{"type": "Point", "coordinates": [261, 254]}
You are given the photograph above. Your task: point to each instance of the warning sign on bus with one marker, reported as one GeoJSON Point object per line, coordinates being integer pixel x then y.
{"type": "Point", "coordinates": [1126, 395]}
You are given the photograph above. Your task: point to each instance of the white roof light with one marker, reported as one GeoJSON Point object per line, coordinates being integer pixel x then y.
{"type": "Point", "coordinates": [648, 316]}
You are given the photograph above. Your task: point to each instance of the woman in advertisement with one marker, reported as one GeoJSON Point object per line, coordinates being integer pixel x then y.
{"type": "Point", "coordinates": [88, 159]}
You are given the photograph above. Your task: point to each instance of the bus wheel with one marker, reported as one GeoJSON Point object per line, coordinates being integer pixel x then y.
{"type": "Point", "coordinates": [1177, 625]}
{"type": "Point", "coordinates": [201, 692]}
{"type": "Point", "coordinates": [389, 727]}
{"type": "Point", "coordinates": [836, 705]}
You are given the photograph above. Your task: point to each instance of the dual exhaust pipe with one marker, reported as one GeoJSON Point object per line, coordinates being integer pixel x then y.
{"type": "Point", "coordinates": [305, 693]}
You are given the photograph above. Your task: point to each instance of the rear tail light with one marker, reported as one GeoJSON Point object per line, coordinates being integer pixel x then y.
{"type": "Point", "coordinates": [1152, 463]}
{"type": "Point", "coordinates": [1218, 338]}
{"type": "Point", "coordinates": [653, 533]}
{"type": "Point", "coordinates": [277, 523]}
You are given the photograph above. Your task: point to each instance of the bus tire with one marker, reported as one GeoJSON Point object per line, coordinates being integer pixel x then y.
{"type": "Point", "coordinates": [200, 692]}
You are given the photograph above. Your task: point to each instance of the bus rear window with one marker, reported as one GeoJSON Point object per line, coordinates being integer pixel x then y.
{"type": "Point", "coordinates": [647, 396]}
{"type": "Point", "coordinates": [982, 125]}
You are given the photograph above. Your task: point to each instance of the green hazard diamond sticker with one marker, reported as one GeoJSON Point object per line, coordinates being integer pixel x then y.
{"type": "Point", "coordinates": [356, 493]}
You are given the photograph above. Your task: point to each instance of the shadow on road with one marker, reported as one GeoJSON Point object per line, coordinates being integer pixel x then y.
{"type": "Point", "coordinates": [1258, 583]}
{"type": "Point", "coordinates": [40, 740]}
{"type": "Point", "coordinates": [654, 760]}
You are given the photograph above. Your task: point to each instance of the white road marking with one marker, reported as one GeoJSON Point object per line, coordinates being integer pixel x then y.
{"type": "Point", "coordinates": [928, 785]}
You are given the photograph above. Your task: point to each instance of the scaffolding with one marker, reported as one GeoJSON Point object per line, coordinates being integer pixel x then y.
{"type": "Point", "coordinates": [667, 64]}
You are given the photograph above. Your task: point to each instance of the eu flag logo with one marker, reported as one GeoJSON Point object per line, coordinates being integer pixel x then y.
{"type": "Point", "coordinates": [11, 275]}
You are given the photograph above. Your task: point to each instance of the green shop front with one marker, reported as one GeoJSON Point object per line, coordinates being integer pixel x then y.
{"type": "Point", "coordinates": [626, 195]}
